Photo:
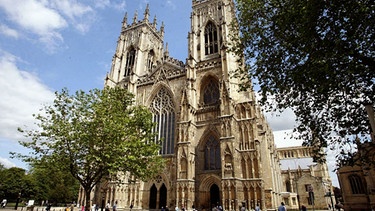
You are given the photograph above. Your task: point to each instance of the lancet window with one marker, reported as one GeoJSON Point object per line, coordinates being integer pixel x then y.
{"type": "Point", "coordinates": [163, 110]}
{"type": "Point", "coordinates": [211, 39]}
{"type": "Point", "coordinates": [211, 92]}
{"type": "Point", "coordinates": [130, 58]}
{"type": "Point", "coordinates": [150, 60]}
{"type": "Point", "coordinates": [212, 154]}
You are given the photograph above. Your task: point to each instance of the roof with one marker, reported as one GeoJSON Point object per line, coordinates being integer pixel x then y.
{"type": "Point", "coordinates": [295, 163]}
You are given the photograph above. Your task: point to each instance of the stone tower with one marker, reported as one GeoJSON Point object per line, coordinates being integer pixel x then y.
{"type": "Point", "coordinates": [218, 146]}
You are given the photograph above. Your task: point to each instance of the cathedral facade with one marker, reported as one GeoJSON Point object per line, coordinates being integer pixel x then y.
{"type": "Point", "coordinates": [217, 143]}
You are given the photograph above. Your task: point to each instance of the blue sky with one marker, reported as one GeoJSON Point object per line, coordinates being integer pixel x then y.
{"type": "Point", "coordinates": [46, 45]}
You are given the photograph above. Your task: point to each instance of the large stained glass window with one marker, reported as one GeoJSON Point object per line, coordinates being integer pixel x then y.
{"type": "Point", "coordinates": [212, 154]}
{"type": "Point", "coordinates": [163, 110]}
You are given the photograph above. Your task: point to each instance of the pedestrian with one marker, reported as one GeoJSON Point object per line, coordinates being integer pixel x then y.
{"type": "Point", "coordinates": [303, 208]}
{"type": "Point", "coordinates": [114, 206]}
{"type": "Point", "coordinates": [257, 208]}
{"type": "Point", "coordinates": [243, 208]}
{"type": "Point", "coordinates": [282, 207]}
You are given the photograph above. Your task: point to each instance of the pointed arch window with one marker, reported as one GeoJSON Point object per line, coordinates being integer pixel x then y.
{"type": "Point", "coordinates": [163, 110]}
{"type": "Point", "coordinates": [212, 154]}
{"type": "Point", "coordinates": [211, 39]}
{"type": "Point", "coordinates": [150, 60]}
{"type": "Point", "coordinates": [211, 92]}
{"type": "Point", "coordinates": [130, 58]}
{"type": "Point", "coordinates": [356, 184]}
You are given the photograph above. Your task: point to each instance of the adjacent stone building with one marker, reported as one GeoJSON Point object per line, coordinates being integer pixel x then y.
{"type": "Point", "coordinates": [217, 143]}
{"type": "Point", "coordinates": [357, 179]}
{"type": "Point", "coordinates": [305, 182]}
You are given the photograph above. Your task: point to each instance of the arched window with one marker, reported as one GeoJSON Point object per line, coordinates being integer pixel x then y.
{"type": "Point", "coordinates": [356, 184]}
{"type": "Point", "coordinates": [212, 154]}
{"type": "Point", "coordinates": [211, 92]}
{"type": "Point", "coordinates": [150, 60]}
{"type": "Point", "coordinates": [130, 58]}
{"type": "Point", "coordinates": [163, 110]}
{"type": "Point", "coordinates": [210, 39]}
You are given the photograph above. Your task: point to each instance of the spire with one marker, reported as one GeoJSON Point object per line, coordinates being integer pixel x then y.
{"type": "Point", "coordinates": [154, 23]}
{"type": "Point", "coordinates": [162, 28]}
{"type": "Point", "coordinates": [135, 17]}
{"type": "Point", "coordinates": [147, 13]}
{"type": "Point", "coordinates": [125, 21]}
{"type": "Point", "coordinates": [166, 52]}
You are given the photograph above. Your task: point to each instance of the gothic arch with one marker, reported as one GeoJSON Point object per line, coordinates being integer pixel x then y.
{"type": "Point", "coordinates": [163, 107]}
{"type": "Point", "coordinates": [211, 38]}
{"type": "Point", "coordinates": [208, 181]}
{"type": "Point", "coordinates": [209, 91]}
{"type": "Point", "coordinates": [209, 150]}
{"type": "Point", "coordinates": [129, 60]}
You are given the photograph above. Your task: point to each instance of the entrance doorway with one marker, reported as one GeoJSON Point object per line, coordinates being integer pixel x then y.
{"type": "Point", "coordinates": [214, 196]}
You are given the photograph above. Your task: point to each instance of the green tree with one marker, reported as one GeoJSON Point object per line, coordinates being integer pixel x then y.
{"type": "Point", "coordinates": [315, 57]}
{"type": "Point", "coordinates": [16, 183]}
{"type": "Point", "coordinates": [94, 136]}
{"type": "Point", "coordinates": [53, 184]}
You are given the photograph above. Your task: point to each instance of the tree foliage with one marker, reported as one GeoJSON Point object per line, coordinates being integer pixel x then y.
{"type": "Point", "coordinates": [95, 135]}
{"type": "Point", "coordinates": [314, 56]}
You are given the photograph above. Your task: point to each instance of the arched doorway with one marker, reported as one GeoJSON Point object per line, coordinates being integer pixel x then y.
{"type": "Point", "coordinates": [163, 197]}
{"type": "Point", "coordinates": [214, 195]}
{"type": "Point", "coordinates": [153, 194]}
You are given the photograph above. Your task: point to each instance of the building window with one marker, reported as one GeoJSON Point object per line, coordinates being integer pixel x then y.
{"type": "Point", "coordinates": [211, 92]}
{"type": "Point", "coordinates": [130, 58]}
{"type": "Point", "coordinates": [163, 110]}
{"type": "Point", "coordinates": [150, 60]}
{"type": "Point", "coordinates": [212, 154]}
{"type": "Point", "coordinates": [210, 39]}
{"type": "Point", "coordinates": [356, 184]}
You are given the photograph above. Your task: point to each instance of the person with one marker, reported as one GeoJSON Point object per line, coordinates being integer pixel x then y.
{"type": "Point", "coordinates": [243, 208]}
{"type": "Point", "coordinates": [3, 203]}
{"type": "Point", "coordinates": [114, 206]}
{"type": "Point", "coordinates": [282, 207]}
{"type": "Point", "coordinates": [107, 206]}
{"type": "Point", "coordinates": [48, 208]}
{"type": "Point", "coordinates": [257, 208]}
{"type": "Point", "coordinates": [303, 208]}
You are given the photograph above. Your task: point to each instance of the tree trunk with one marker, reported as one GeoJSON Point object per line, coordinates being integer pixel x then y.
{"type": "Point", "coordinates": [87, 199]}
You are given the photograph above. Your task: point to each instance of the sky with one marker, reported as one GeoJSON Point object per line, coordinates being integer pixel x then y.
{"type": "Point", "coordinates": [47, 45]}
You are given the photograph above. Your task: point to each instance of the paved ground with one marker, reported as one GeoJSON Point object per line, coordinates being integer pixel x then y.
{"type": "Point", "coordinates": [63, 209]}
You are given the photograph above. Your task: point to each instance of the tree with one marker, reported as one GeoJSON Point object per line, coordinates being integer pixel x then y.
{"type": "Point", "coordinates": [53, 184]}
{"type": "Point", "coordinates": [315, 57]}
{"type": "Point", "coordinates": [15, 183]}
{"type": "Point", "coordinates": [94, 136]}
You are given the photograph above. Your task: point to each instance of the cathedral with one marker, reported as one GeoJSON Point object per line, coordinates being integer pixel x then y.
{"type": "Point", "coordinates": [218, 146]}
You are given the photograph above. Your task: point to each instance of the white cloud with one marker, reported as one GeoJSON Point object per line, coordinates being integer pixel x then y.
{"type": "Point", "coordinates": [37, 18]}
{"type": "Point", "coordinates": [81, 16]}
{"type": "Point", "coordinates": [7, 163]}
{"type": "Point", "coordinates": [118, 5]}
{"type": "Point", "coordinates": [22, 95]}
{"type": "Point", "coordinates": [4, 29]}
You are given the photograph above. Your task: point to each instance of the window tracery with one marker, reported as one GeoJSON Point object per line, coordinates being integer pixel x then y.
{"type": "Point", "coordinates": [211, 39]}
{"type": "Point", "coordinates": [211, 92]}
{"type": "Point", "coordinates": [212, 154]}
{"type": "Point", "coordinates": [130, 58]}
{"type": "Point", "coordinates": [163, 110]}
